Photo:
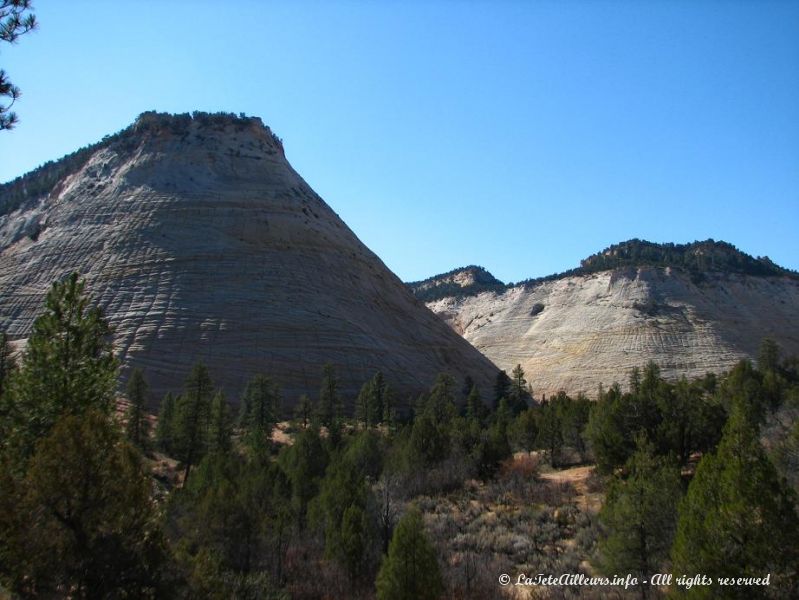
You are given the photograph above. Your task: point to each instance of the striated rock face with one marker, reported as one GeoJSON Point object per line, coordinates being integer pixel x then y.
{"type": "Point", "coordinates": [467, 280]}
{"type": "Point", "coordinates": [575, 332]}
{"type": "Point", "coordinates": [201, 243]}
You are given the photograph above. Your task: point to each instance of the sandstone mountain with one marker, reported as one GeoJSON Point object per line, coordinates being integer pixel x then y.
{"type": "Point", "coordinates": [691, 308]}
{"type": "Point", "coordinates": [201, 243]}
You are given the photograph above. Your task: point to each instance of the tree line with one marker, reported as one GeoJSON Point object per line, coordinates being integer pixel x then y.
{"type": "Point", "coordinates": [85, 510]}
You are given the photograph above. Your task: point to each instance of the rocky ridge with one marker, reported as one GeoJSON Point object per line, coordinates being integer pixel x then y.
{"type": "Point", "coordinates": [576, 331]}
{"type": "Point", "coordinates": [201, 243]}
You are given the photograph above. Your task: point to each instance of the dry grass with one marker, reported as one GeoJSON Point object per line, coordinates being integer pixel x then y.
{"type": "Point", "coordinates": [583, 480]}
{"type": "Point", "coordinates": [520, 522]}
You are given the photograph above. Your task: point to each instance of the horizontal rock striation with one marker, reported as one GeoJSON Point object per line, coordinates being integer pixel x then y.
{"type": "Point", "coordinates": [577, 332]}
{"type": "Point", "coordinates": [201, 243]}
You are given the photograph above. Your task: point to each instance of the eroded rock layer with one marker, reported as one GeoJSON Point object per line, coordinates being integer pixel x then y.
{"type": "Point", "coordinates": [201, 243]}
{"type": "Point", "coordinates": [576, 332]}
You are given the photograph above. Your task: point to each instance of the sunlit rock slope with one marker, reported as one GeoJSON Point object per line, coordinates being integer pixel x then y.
{"type": "Point", "coordinates": [201, 243]}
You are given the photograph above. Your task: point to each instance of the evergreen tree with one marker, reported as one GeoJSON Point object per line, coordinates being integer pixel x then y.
{"type": "Point", "coordinates": [137, 424]}
{"type": "Point", "coordinates": [640, 516]}
{"type": "Point", "coordinates": [410, 571]}
{"type": "Point", "coordinates": [366, 452]}
{"type": "Point", "coordinates": [475, 408]}
{"type": "Point", "coordinates": [389, 408]}
{"type": "Point", "coordinates": [503, 417]}
{"type": "Point", "coordinates": [221, 425]}
{"type": "Point", "coordinates": [15, 20]}
{"type": "Point", "coordinates": [329, 409]}
{"type": "Point", "coordinates": [378, 399]}
{"type": "Point", "coordinates": [67, 367]}
{"type": "Point", "coordinates": [609, 440]}
{"type": "Point", "coordinates": [518, 390]}
{"type": "Point", "coordinates": [768, 356]}
{"type": "Point", "coordinates": [192, 417]}
{"type": "Point", "coordinates": [231, 525]}
{"type": "Point", "coordinates": [304, 410]}
{"type": "Point", "coordinates": [744, 384]}
{"type": "Point", "coordinates": [363, 404]}
{"type": "Point", "coordinates": [739, 518]}
{"type": "Point", "coordinates": [440, 404]}
{"type": "Point", "coordinates": [429, 441]}
{"type": "Point", "coordinates": [502, 385]}
{"type": "Point", "coordinates": [81, 519]}
{"type": "Point", "coordinates": [468, 384]}
{"type": "Point", "coordinates": [304, 462]}
{"type": "Point", "coordinates": [7, 364]}
{"type": "Point", "coordinates": [259, 407]}
{"type": "Point", "coordinates": [7, 368]}
{"type": "Point", "coordinates": [524, 430]}
{"type": "Point", "coordinates": [344, 490]}
{"type": "Point", "coordinates": [574, 419]}
{"type": "Point", "coordinates": [641, 413]}
{"type": "Point", "coordinates": [492, 449]}
{"type": "Point", "coordinates": [550, 432]}
{"type": "Point", "coordinates": [635, 380]}
{"type": "Point", "coordinates": [690, 421]}
{"type": "Point", "coordinates": [165, 427]}
{"type": "Point", "coordinates": [354, 542]}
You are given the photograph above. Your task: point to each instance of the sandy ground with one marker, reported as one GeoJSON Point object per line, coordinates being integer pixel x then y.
{"type": "Point", "coordinates": [578, 477]}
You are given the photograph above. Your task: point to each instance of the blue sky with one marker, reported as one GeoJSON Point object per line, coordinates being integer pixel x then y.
{"type": "Point", "coordinates": [521, 136]}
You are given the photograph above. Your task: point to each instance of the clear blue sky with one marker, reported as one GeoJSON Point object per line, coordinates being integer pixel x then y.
{"type": "Point", "coordinates": [522, 136]}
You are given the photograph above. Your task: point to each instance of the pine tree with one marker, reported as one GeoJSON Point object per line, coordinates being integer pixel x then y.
{"type": "Point", "coordinates": [429, 441]}
{"type": "Point", "coordinates": [344, 490]}
{"type": "Point", "coordinates": [690, 421]}
{"type": "Point", "coordinates": [304, 410]}
{"type": "Point", "coordinates": [468, 384]}
{"type": "Point", "coordinates": [7, 368]}
{"type": "Point", "coordinates": [389, 408]}
{"type": "Point", "coordinates": [15, 20]}
{"type": "Point", "coordinates": [192, 416]}
{"type": "Point", "coordinates": [329, 409]}
{"type": "Point", "coordinates": [259, 406]}
{"type": "Point", "coordinates": [410, 571]}
{"type": "Point", "coordinates": [377, 400]}
{"type": "Point", "coordinates": [475, 408]}
{"type": "Point", "coordinates": [7, 363]}
{"type": "Point", "coordinates": [640, 517]}
{"type": "Point", "coordinates": [440, 405]}
{"type": "Point", "coordinates": [355, 538]}
{"type": "Point", "coordinates": [491, 450]}
{"type": "Point", "coordinates": [304, 462]}
{"type": "Point", "coordinates": [221, 426]}
{"type": "Point", "coordinates": [233, 527]}
{"type": "Point", "coordinates": [574, 415]}
{"type": "Point", "coordinates": [137, 424]}
{"type": "Point", "coordinates": [768, 356]}
{"type": "Point", "coordinates": [81, 519]}
{"type": "Point", "coordinates": [501, 387]}
{"type": "Point", "coordinates": [635, 380]}
{"type": "Point", "coordinates": [524, 430]}
{"type": "Point", "coordinates": [363, 404]}
{"type": "Point", "coordinates": [550, 432]}
{"type": "Point", "coordinates": [165, 427]}
{"type": "Point", "coordinates": [518, 390]}
{"type": "Point", "coordinates": [67, 368]}
{"type": "Point", "coordinates": [739, 518]}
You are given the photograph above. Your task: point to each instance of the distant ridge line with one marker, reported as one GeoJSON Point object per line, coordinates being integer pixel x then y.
{"type": "Point", "coordinates": [696, 258]}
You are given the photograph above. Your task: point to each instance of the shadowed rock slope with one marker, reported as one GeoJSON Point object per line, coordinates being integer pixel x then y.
{"type": "Point", "coordinates": [201, 243]}
{"type": "Point", "coordinates": [691, 308]}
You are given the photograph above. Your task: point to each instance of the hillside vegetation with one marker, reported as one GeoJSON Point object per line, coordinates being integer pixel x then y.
{"type": "Point", "coordinates": [41, 181]}
{"type": "Point", "coordinates": [438, 499]}
{"type": "Point", "coordinates": [695, 258]}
